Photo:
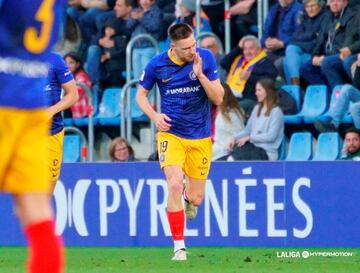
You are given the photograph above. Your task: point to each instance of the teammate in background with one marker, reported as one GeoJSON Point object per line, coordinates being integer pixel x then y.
{"type": "Point", "coordinates": [59, 77]}
{"type": "Point", "coordinates": [28, 32]}
{"type": "Point", "coordinates": [188, 80]}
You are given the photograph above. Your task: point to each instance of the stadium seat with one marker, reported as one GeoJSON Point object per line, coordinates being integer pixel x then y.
{"type": "Point", "coordinates": [109, 109]}
{"type": "Point", "coordinates": [300, 147]}
{"type": "Point", "coordinates": [328, 146]}
{"type": "Point", "coordinates": [315, 104]}
{"type": "Point", "coordinates": [294, 91]}
{"type": "Point", "coordinates": [72, 148]}
{"type": "Point", "coordinates": [282, 149]}
{"type": "Point", "coordinates": [136, 113]}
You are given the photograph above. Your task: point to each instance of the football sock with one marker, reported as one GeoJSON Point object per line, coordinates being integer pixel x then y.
{"type": "Point", "coordinates": [177, 222]}
{"type": "Point", "coordinates": [46, 249]}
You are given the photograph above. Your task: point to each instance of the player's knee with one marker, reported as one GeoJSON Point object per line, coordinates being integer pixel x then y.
{"type": "Point", "coordinates": [175, 186]}
{"type": "Point", "coordinates": [198, 199]}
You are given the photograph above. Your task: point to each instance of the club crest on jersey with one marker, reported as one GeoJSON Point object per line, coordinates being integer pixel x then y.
{"type": "Point", "coordinates": [192, 75]}
{"type": "Point", "coordinates": [162, 157]}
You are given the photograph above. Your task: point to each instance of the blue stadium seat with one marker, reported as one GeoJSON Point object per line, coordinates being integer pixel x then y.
{"type": "Point", "coordinates": [136, 113]}
{"type": "Point", "coordinates": [68, 122]}
{"type": "Point", "coordinates": [294, 91]}
{"type": "Point", "coordinates": [282, 149]}
{"type": "Point", "coordinates": [109, 109]}
{"type": "Point", "coordinates": [300, 147]}
{"type": "Point", "coordinates": [72, 148]}
{"type": "Point", "coordinates": [328, 146]}
{"type": "Point", "coordinates": [315, 104]}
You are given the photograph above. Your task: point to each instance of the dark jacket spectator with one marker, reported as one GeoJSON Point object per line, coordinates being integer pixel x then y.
{"type": "Point", "coordinates": [337, 31]}
{"type": "Point", "coordinates": [281, 23]}
{"type": "Point", "coordinates": [308, 30]}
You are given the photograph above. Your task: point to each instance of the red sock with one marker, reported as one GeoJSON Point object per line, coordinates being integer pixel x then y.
{"type": "Point", "coordinates": [177, 222]}
{"type": "Point", "coordinates": [46, 249]}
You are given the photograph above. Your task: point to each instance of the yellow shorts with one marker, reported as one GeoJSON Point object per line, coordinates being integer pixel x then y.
{"type": "Point", "coordinates": [23, 150]}
{"type": "Point", "coordinates": [192, 155]}
{"type": "Point", "coordinates": [55, 148]}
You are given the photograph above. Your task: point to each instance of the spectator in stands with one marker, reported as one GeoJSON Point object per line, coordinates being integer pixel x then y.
{"type": "Point", "coordinates": [98, 70]}
{"type": "Point", "coordinates": [121, 150]}
{"type": "Point", "coordinates": [88, 14]}
{"type": "Point", "coordinates": [145, 19]}
{"type": "Point", "coordinates": [70, 37]}
{"type": "Point", "coordinates": [280, 25]}
{"type": "Point", "coordinates": [352, 145]}
{"type": "Point", "coordinates": [263, 133]}
{"type": "Point", "coordinates": [113, 45]}
{"type": "Point", "coordinates": [188, 16]}
{"type": "Point", "coordinates": [244, 18]}
{"type": "Point", "coordinates": [337, 41]}
{"type": "Point", "coordinates": [300, 47]}
{"type": "Point", "coordinates": [80, 108]}
{"type": "Point", "coordinates": [229, 121]}
{"type": "Point", "coordinates": [348, 94]}
{"type": "Point", "coordinates": [245, 65]}
{"type": "Point", "coordinates": [214, 11]}
{"type": "Point", "coordinates": [212, 44]}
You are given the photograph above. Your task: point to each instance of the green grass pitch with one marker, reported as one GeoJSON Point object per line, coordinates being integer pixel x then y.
{"type": "Point", "coordinates": [200, 260]}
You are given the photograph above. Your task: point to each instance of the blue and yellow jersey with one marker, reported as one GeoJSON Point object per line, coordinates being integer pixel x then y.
{"type": "Point", "coordinates": [28, 31]}
{"type": "Point", "coordinates": [183, 98]}
{"type": "Point", "coordinates": [59, 74]}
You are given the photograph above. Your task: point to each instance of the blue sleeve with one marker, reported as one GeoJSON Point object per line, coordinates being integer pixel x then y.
{"type": "Point", "coordinates": [148, 78]}
{"type": "Point", "coordinates": [63, 73]}
{"type": "Point", "coordinates": [209, 65]}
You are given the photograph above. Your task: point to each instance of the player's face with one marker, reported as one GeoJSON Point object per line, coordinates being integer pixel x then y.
{"type": "Point", "coordinates": [184, 49]}
{"type": "Point", "coordinates": [71, 64]}
{"type": "Point", "coordinates": [121, 152]}
{"type": "Point", "coordinates": [251, 49]}
{"type": "Point", "coordinates": [260, 93]}
{"type": "Point", "coordinates": [352, 142]}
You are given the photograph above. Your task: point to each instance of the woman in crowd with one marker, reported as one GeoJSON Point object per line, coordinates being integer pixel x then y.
{"type": "Point", "coordinates": [264, 131]}
{"type": "Point", "coordinates": [121, 150]}
{"type": "Point", "coordinates": [80, 108]}
{"type": "Point", "coordinates": [228, 122]}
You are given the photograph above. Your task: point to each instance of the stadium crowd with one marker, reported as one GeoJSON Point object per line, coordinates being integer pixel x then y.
{"type": "Point", "coordinates": [303, 43]}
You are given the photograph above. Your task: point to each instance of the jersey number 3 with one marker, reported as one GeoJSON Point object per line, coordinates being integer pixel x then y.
{"type": "Point", "coordinates": [37, 41]}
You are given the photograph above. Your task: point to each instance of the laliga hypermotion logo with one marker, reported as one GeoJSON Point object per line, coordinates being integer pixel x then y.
{"type": "Point", "coordinates": [70, 206]}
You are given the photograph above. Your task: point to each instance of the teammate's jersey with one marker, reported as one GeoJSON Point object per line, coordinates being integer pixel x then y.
{"type": "Point", "coordinates": [28, 30]}
{"type": "Point", "coordinates": [183, 98]}
{"type": "Point", "coordinates": [59, 74]}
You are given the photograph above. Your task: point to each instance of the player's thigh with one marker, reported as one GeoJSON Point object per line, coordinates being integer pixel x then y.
{"type": "Point", "coordinates": [171, 150]}
{"type": "Point", "coordinates": [10, 129]}
{"type": "Point", "coordinates": [198, 158]}
{"type": "Point", "coordinates": [195, 188]}
{"type": "Point", "coordinates": [28, 171]}
{"type": "Point", "coordinates": [55, 153]}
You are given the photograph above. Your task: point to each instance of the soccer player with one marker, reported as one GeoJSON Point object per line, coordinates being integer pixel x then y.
{"type": "Point", "coordinates": [188, 80]}
{"type": "Point", "coordinates": [28, 31]}
{"type": "Point", "coordinates": [59, 77]}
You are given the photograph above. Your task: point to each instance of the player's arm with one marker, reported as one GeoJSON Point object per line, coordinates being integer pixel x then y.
{"type": "Point", "coordinates": [213, 89]}
{"type": "Point", "coordinates": [70, 97]}
{"type": "Point", "coordinates": [161, 121]}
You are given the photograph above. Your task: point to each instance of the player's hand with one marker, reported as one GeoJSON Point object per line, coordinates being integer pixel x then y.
{"type": "Point", "coordinates": [197, 67]}
{"type": "Point", "coordinates": [162, 122]}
